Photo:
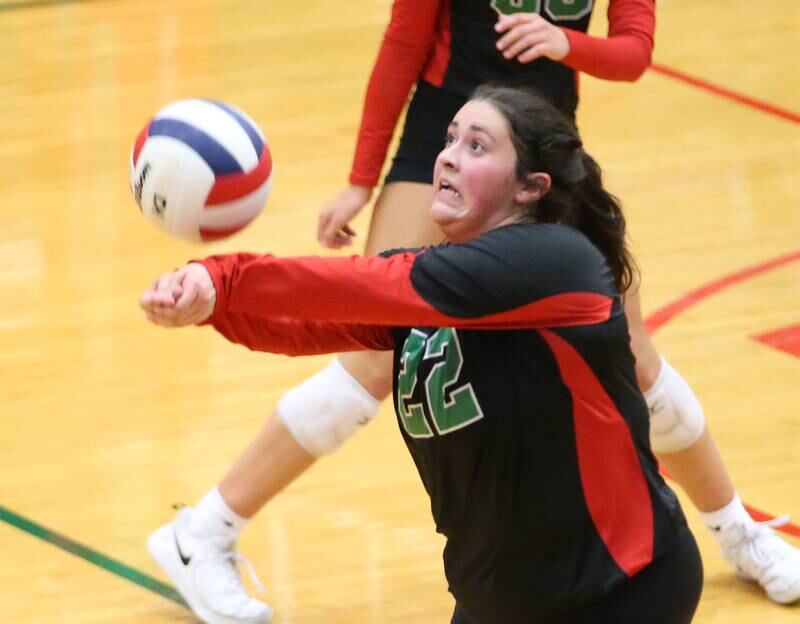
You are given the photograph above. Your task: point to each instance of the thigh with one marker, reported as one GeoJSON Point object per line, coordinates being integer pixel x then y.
{"type": "Point", "coordinates": [648, 360]}
{"type": "Point", "coordinates": [372, 369]}
{"type": "Point", "coordinates": [401, 218]}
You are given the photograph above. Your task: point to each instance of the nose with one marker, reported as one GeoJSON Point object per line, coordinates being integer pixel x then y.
{"type": "Point", "coordinates": [447, 157]}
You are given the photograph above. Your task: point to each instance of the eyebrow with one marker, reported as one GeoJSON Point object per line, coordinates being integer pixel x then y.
{"type": "Point", "coordinates": [474, 128]}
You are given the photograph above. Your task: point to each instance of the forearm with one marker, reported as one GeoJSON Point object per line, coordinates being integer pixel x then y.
{"type": "Point", "coordinates": [627, 50]}
{"type": "Point", "coordinates": [351, 290]}
{"type": "Point", "coordinates": [291, 337]}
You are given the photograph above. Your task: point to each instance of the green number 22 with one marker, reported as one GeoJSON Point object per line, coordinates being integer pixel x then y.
{"type": "Point", "coordinates": [451, 408]}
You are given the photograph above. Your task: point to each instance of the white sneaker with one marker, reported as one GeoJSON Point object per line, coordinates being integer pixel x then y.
{"type": "Point", "coordinates": [204, 572]}
{"type": "Point", "coordinates": [760, 555]}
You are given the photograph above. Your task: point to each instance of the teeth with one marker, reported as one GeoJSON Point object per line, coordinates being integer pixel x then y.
{"type": "Point", "coordinates": [445, 186]}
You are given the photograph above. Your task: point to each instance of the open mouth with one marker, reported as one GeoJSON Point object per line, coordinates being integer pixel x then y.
{"type": "Point", "coordinates": [446, 189]}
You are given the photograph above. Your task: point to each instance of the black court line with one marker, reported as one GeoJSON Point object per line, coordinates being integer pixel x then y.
{"type": "Point", "coordinates": [92, 556]}
{"type": "Point", "coordinates": [38, 4]}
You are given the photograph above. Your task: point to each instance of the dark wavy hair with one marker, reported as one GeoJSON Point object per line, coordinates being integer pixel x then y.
{"type": "Point", "coordinates": [546, 141]}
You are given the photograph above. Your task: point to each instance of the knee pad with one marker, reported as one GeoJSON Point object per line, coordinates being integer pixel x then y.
{"type": "Point", "coordinates": [676, 416]}
{"type": "Point", "coordinates": [326, 409]}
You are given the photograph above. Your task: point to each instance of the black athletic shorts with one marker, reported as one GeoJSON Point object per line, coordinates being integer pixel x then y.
{"type": "Point", "coordinates": [430, 112]}
{"type": "Point", "coordinates": [665, 592]}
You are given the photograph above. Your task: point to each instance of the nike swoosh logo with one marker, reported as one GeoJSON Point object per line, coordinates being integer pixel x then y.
{"type": "Point", "coordinates": [186, 560]}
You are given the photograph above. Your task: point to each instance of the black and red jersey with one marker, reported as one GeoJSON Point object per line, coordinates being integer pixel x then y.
{"type": "Point", "coordinates": [451, 44]}
{"type": "Point", "coordinates": [515, 392]}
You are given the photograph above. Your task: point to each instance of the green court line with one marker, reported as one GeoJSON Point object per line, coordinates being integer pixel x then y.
{"type": "Point", "coordinates": [36, 4]}
{"type": "Point", "coordinates": [92, 556]}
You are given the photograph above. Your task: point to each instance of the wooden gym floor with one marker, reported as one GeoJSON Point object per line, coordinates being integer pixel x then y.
{"type": "Point", "coordinates": [106, 421]}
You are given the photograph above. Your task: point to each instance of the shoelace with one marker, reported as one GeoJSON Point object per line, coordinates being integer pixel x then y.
{"type": "Point", "coordinates": [235, 558]}
{"type": "Point", "coordinates": [763, 529]}
{"type": "Point", "coordinates": [226, 552]}
{"type": "Point", "coordinates": [776, 522]}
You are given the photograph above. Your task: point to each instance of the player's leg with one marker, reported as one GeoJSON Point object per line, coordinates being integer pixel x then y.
{"type": "Point", "coordinates": [680, 438]}
{"type": "Point", "coordinates": [197, 549]}
{"type": "Point", "coordinates": [678, 430]}
{"type": "Point", "coordinates": [311, 420]}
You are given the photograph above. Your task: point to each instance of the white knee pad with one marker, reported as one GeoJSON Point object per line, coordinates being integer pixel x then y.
{"type": "Point", "coordinates": [326, 409]}
{"type": "Point", "coordinates": [676, 416]}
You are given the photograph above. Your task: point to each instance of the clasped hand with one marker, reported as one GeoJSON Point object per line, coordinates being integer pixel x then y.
{"type": "Point", "coordinates": [183, 297]}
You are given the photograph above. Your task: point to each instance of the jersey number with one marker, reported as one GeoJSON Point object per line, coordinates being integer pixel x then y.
{"type": "Point", "coordinates": [556, 9]}
{"type": "Point", "coordinates": [451, 408]}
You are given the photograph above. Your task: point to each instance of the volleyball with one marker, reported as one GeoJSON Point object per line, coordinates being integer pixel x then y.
{"type": "Point", "coordinates": [200, 170]}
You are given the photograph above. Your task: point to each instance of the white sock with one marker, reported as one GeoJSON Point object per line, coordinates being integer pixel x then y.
{"type": "Point", "coordinates": [730, 515]}
{"type": "Point", "coordinates": [212, 517]}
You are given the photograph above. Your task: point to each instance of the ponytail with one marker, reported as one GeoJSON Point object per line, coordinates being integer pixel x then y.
{"type": "Point", "coordinates": [587, 206]}
{"type": "Point", "coordinates": [546, 141]}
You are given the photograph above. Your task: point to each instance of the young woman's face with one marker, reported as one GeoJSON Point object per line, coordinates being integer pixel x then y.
{"type": "Point", "coordinates": [474, 179]}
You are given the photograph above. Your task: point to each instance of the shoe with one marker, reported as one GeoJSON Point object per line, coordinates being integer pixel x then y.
{"type": "Point", "coordinates": [204, 572]}
{"type": "Point", "coordinates": [759, 554]}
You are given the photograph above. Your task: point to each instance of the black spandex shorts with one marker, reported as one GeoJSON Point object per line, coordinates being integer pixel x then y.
{"type": "Point", "coordinates": [430, 112]}
{"type": "Point", "coordinates": [665, 592]}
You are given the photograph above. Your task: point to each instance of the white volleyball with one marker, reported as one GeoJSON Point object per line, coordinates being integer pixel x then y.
{"type": "Point", "coordinates": [200, 170]}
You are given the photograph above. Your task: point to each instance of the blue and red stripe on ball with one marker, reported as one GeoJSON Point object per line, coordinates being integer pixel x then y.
{"type": "Point", "coordinates": [231, 182]}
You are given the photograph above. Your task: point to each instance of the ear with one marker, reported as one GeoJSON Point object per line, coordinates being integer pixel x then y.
{"type": "Point", "coordinates": [534, 188]}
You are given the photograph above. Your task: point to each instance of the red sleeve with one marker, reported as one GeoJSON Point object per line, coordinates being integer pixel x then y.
{"type": "Point", "coordinates": [291, 337]}
{"type": "Point", "coordinates": [405, 48]}
{"type": "Point", "coordinates": [338, 294]}
{"type": "Point", "coordinates": [625, 54]}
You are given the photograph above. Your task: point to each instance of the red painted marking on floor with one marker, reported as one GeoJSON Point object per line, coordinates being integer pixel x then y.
{"type": "Point", "coordinates": [730, 94]}
{"type": "Point", "coordinates": [666, 313]}
{"type": "Point", "coordinates": [786, 339]}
